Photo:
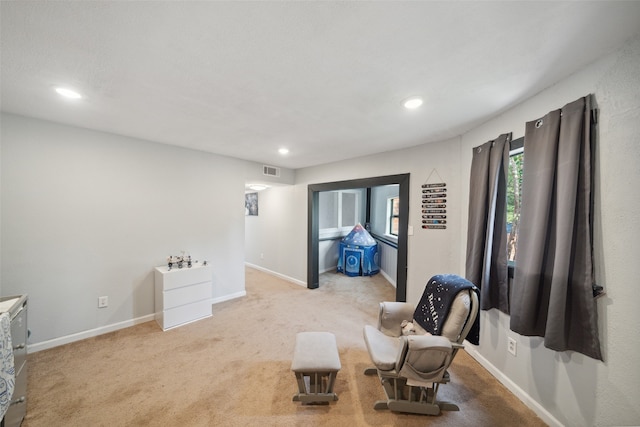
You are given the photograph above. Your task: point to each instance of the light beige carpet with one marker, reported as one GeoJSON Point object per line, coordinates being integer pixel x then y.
{"type": "Point", "coordinates": [233, 369]}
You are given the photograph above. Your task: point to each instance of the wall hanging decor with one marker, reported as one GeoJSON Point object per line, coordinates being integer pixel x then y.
{"type": "Point", "coordinates": [434, 203]}
{"type": "Point", "coordinates": [251, 204]}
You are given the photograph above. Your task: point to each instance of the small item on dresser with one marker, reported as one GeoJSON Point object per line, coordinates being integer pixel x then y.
{"type": "Point", "coordinates": [179, 260]}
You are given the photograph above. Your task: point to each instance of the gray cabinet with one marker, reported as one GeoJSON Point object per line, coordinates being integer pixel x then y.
{"type": "Point", "coordinates": [19, 333]}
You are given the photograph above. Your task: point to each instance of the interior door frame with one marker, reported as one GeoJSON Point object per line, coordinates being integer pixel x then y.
{"type": "Point", "coordinates": [313, 251]}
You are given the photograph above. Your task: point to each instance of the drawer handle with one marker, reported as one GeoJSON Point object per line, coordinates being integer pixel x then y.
{"type": "Point", "coordinates": [20, 400]}
{"type": "Point", "coordinates": [19, 347]}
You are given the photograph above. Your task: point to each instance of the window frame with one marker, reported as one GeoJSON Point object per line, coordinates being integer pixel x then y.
{"type": "Point", "coordinates": [342, 230]}
{"type": "Point", "coordinates": [391, 216]}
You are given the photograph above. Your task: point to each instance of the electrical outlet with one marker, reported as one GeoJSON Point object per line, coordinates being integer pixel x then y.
{"type": "Point", "coordinates": [103, 302]}
{"type": "Point", "coordinates": [511, 346]}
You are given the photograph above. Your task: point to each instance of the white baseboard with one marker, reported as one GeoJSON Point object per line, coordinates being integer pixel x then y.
{"type": "Point", "coordinates": [513, 387]}
{"type": "Point", "coordinates": [384, 274]}
{"type": "Point", "coordinates": [300, 282]}
{"type": "Point", "coordinates": [229, 297]}
{"type": "Point", "coordinates": [67, 339]}
{"type": "Point", "coordinates": [389, 278]}
{"type": "Point", "coordinates": [44, 345]}
{"type": "Point", "coordinates": [273, 273]}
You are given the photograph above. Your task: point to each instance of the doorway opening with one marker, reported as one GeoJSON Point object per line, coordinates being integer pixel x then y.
{"type": "Point", "coordinates": [403, 221]}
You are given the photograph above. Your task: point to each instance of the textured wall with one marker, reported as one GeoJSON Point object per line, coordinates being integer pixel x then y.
{"type": "Point", "coordinates": [574, 389]}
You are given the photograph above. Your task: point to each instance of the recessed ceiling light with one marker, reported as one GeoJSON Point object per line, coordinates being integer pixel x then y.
{"type": "Point", "coordinates": [283, 151]}
{"type": "Point", "coordinates": [68, 93]}
{"type": "Point", "coordinates": [412, 103]}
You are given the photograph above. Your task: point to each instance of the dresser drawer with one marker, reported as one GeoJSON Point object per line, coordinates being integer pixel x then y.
{"type": "Point", "coordinates": [179, 277]}
{"type": "Point", "coordinates": [186, 295]}
{"type": "Point", "coordinates": [186, 313]}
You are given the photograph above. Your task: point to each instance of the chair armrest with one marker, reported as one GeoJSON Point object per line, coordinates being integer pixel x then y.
{"type": "Point", "coordinates": [391, 316]}
{"type": "Point", "coordinates": [426, 360]}
{"type": "Point", "coordinates": [424, 342]}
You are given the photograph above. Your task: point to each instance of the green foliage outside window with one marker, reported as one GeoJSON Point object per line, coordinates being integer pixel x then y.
{"type": "Point", "coordinates": [514, 201]}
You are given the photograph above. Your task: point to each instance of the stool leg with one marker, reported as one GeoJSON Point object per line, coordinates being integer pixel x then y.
{"type": "Point", "coordinates": [332, 380]}
{"type": "Point", "coordinates": [302, 388]}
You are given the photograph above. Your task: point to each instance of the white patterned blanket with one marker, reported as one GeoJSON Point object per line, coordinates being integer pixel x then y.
{"type": "Point", "coordinates": [7, 368]}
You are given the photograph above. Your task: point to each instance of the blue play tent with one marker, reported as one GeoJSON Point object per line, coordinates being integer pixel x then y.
{"type": "Point", "coordinates": [358, 253]}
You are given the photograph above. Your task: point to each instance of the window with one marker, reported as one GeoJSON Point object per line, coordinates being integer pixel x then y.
{"type": "Point", "coordinates": [393, 215]}
{"type": "Point", "coordinates": [339, 212]}
{"type": "Point", "coordinates": [514, 197]}
{"type": "Point", "coordinates": [348, 210]}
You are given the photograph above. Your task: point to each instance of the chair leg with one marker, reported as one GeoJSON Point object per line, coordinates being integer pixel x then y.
{"type": "Point", "coordinates": [448, 406]}
{"type": "Point", "coordinates": [408, 399]}
{"type": "Point", "coordinates": [444, 406]}
{"type": "Point", "coordinates": [414, 407]}
{"type": "Point", "coordinates": [371, 371]}
{"type": "Point", "coordinates": [381, 404]}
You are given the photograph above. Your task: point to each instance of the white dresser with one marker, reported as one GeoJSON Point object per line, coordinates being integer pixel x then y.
{"type": "Point", "coordinates": [183, 295]}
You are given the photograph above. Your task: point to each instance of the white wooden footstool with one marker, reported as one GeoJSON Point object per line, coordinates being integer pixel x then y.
{"type": "Point", "coordinates": [315, 364]}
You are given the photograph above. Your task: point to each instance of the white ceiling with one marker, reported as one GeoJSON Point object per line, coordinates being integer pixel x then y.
{"type": "Point", "coordinates": [324, 79]}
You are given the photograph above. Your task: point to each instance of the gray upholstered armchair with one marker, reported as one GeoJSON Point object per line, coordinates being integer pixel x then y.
{"type": "Point", "coordinates": [412, 347]}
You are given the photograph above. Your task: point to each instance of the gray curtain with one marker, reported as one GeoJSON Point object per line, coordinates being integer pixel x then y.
{"type": "Point", "coordinates": [552, 295]}
{"type": "Point", "coordinates": [486, 264]}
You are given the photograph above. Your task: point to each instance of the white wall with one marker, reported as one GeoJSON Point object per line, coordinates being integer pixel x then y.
{"type": "Point", "coordinates": [388, 262]}
{"type": "Point", "coordinates": [379, 200]}
{"type": "Point", "coordinates": [269, 235]}
{"type": "Point", "coordinates": [564, 388]}
{"type": "Point", "coordinates": [86, 214]}
{"type": "Point", "coordinates": [328, 254]}
{"type": "Point", "coordinates": [387, 254]}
